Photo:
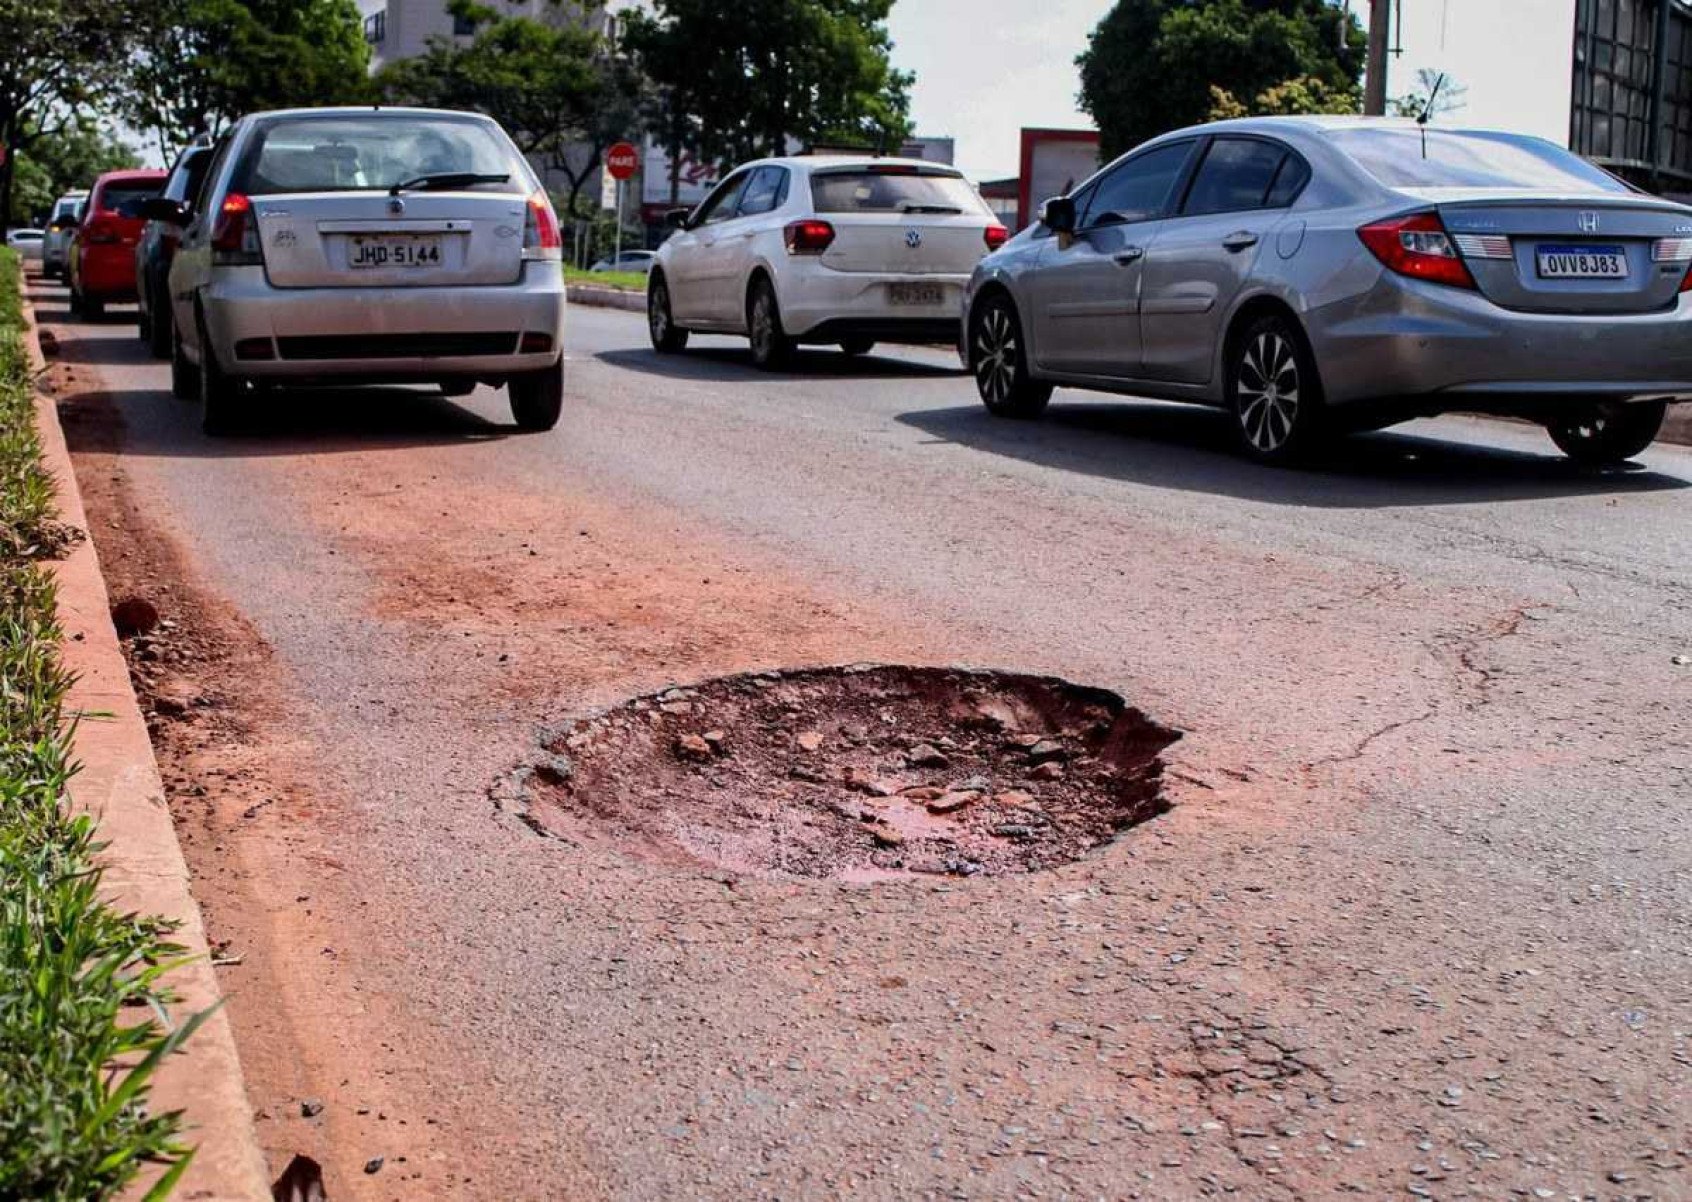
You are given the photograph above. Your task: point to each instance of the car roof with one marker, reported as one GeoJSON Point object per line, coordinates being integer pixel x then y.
{"type": "Point", "coordinates": [813, 162]}
{"type": "Point", "coordinates": [1321, 124]}
{"type": "Point", "coordinates": [147, 174]}
{"type": "Point", "coordinates": [366, 110]}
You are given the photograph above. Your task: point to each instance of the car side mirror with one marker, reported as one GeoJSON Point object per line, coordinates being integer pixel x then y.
{"type": "Point", "coordinates": [1058, 215]}
{"type": "Point", "coordinates": [171, 212]}
{"type": "Point", "coordinates": [676, 219]}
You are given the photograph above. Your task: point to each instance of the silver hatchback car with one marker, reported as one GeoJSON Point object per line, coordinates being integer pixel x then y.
{"type": "Point", "coordinates": [367, 246]}
{"type": "Point", "coordinates": [1314, 273]}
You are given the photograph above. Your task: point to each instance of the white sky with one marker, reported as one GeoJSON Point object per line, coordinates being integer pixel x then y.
{"type": "Point", "coordinates": [986, 68]}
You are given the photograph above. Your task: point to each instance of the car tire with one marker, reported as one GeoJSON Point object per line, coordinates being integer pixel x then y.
{"type": "Point", "coordinates": [1274, 393]}
{"type": "Point", "coordinates": [998, 360]}
{"type": "Point", "coordinates": [457, 388]}
{"type": "Point", "coordinates": [93, 309]}
{"type": "Point", "coordinates": [771, 347]}
{"type": "Point", "coordinates": [537, 398]}
{"type": "Point", "coordinates": [160, 331]}
{"type": "Point", "coordinates": [857, 346]}
{"type": "Point", "coordinates": [667, 337]}
{"type": "Point", "coordinates": [220, 393]}
{"type": "Point", "coordinates": [184, 376]}
{"type": "Point", "coordinates": [1608, 434]}
{"type": "Point", "coordinates": [74, 303]}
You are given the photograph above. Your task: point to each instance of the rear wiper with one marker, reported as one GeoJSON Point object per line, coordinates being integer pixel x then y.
{"type": "Point", "coordinates": [921, 208]}
{"type": "Point", "coordinates": [445, 181]}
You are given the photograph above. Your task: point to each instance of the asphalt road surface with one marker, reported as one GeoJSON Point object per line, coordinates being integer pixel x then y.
{"type": "Point", "coordinates": [1417, 922]}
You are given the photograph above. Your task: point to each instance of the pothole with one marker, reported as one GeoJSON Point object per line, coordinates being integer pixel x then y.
{"type": "Point", "coordinates": [858, 773]}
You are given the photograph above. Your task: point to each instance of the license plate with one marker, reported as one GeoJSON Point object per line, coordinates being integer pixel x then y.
{"type": "Point", "coordinates": [1582, 263]}
{"type": "Point", "coordinates": [394, 250]}
{"type": "Point", "coordinates": [915, 294]}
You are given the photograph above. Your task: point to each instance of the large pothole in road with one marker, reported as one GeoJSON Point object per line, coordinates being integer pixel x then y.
{"type": "Point", "coordinates": [856, 773]}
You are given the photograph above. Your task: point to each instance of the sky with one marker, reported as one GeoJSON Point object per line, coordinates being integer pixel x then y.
{"type": "Point", "coordinates": [986, 68]}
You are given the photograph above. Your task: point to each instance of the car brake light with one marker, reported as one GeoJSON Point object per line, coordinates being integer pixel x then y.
{"type": "Point", "coordinates": [235, 240]}
{"type": "Point", "coordinates": [996, 236]}
{"type": "Point", "coordinates": [808, 237]}
{"type": "Point", "coordinates": [99, 231]}
{"type": "Point", "coordinates": [541, 237]}
{"type": "Point", "coordinates": [1417, 246]}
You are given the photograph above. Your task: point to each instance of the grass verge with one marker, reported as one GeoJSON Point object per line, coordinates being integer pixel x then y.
{"type": "Point", "coordinates": [82, 1017]}
{"type": "Point", "coordinates": [628, 281]}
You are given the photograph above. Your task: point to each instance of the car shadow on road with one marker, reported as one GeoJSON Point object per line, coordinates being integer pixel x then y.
{"type": "Point", "coordinates": [735, 363]}
{"type": "Point", "coordinates": [1191, 449]}
{"type": "Point", "coordinates": [295, 422]}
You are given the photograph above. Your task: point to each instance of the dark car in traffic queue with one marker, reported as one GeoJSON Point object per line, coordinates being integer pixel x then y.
{"type": "Point", "coordinates": [159, 240]}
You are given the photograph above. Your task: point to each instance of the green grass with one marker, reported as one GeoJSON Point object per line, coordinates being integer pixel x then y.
{"type": "Point", "coordinates": [81, 994]}
{"type": "Point", "coordinates": [632, 281]}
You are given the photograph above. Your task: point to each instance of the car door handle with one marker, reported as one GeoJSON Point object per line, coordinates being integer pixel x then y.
{"type": "Point", "coordinates": [1129, 254]}
{"type": "Point", "coordinates": [1240, 241]}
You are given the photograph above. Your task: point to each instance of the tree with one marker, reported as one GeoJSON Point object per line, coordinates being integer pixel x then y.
{"type": "Point", "coordinates": [69, 158]}
{"type": "Point", "coordinates": [558, 88]}
{"type": "Point", "coordinates": [200, 64]}
{"type": "Point", "coordinates": [1306, 94]}
{"type": "Point", "coordinates": [1451, 97]}
{"type": "Point", "coordinates": [740, 81]}
{"type": "Point", "coordinates": [56, 58]}
{"type": "Point", "coordinates": [1150, 65]}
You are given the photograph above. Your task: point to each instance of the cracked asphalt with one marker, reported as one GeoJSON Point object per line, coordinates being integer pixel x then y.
{"type": "Point", "coordinates": [1417, 923]}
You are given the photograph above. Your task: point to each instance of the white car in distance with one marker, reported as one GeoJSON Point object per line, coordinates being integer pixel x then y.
{"type": "Point", "coordinates": [834, 250]}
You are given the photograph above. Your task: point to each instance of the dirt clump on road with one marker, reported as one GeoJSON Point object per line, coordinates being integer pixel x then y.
{"type": "Point", "coordinates": [858, 774]}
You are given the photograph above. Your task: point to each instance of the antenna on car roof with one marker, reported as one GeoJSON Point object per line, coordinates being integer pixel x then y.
{"type": "Point", "coordinates": [1426, 114]}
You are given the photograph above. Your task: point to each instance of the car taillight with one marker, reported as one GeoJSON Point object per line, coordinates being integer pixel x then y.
{"type": "Point", "coordinates": [541, 237]}
{"type": "Point", "coordinates": [1675, 251]}
{"type": "Point", "coordinates": [1417, 246]}
{"type": "Point", "coordinates": [996, 236]}
{"type": "Point", "coordinates": [808, 237]}
{"type": "Point", "coordinates": [99, 231]}
{"type": "Point", "coordinates": [235, 240]}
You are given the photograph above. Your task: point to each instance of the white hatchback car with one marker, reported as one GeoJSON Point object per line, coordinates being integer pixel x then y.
{"type": "Point", "coordinates": [846, 251]}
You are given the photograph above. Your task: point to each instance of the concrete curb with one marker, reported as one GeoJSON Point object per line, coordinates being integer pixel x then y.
{"type": "Point", "coordinates": [606, 298]}
{"type": "Point", "coordinates": [144, 870]}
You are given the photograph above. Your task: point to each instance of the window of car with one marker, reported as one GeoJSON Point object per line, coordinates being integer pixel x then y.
{"type": "Point", "coordinates": [189, 174]}
{"type": "Point", "coordinates": [372, 152]}
{"type": "Point", "coordinates": [214, 168]}
{"type": "Point", "coordinates": [1236, 175]}
{"type": "Point", "coordinates": [1289, 181]}
{"type": "Point", "coordinates": [1137, 190]}
{"type": "Point", "coordinates": [893, 188]}
{"type": "Point", "coordinates": [721, 204]}
{"type": "Point", "coordinates": [765, 193]}
{"type": "Point", "coordinates": [1443, 158]}
{"type": "Point", "coordinates": [124, 197]}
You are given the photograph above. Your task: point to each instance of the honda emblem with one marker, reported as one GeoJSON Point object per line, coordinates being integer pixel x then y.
{"type": "Point", "coordinates": [913, 239]}
{"type": "Point", "coordinates": [1588, 223]}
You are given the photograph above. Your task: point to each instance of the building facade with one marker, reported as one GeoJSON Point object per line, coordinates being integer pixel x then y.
{"type": "Point", "coordinates": [400, 29]}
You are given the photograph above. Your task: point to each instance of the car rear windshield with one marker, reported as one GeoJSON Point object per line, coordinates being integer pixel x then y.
{"type": "Point", "coordinates": [357, 153]}
{"type": "Point", "coordinates": [892, 191]}
{"type": "Point", "coordinates": [125, 199]}
{"type": "Point", "coordinates": [1470, 159]}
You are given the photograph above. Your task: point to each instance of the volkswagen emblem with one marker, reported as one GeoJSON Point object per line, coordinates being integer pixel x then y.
{"type": "Point", "coordinates": [1588, 222]}
{"type": "Point", "coordinates": [913, 239]}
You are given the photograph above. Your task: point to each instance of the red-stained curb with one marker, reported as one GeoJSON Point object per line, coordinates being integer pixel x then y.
{"type": "Point", "coordinates": [144, 870]}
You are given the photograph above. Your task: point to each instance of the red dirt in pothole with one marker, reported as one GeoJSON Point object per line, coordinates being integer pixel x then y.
{"type": "Point", "coordinates": [859, 773]}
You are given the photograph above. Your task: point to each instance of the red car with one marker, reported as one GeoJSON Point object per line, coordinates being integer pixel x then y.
{"type": "Point", "coordinates": [102, 251]}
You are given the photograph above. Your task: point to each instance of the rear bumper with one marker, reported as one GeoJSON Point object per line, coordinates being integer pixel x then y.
{"type": "Point", "coordinates": [384, 334]}
{"type": "Point", "coordinates": [817, 301]}
{"type": "Point", "coordinates": [1431, 348]}
{"type": "Point", "coordinates": [107, 272]}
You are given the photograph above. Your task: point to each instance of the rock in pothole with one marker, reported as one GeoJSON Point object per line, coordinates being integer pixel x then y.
{"type": "Point", "coordinates": [859, 773]}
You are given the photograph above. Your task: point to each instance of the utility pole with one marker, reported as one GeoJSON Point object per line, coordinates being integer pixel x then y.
{"type": "Point", "coordinates": [1374, 70]}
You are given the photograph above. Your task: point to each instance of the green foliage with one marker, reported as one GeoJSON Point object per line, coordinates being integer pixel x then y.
{"type": "Point", "coordinates": [1305, 94]}
{"type": "Point", "coordinates": [627, 281]}
{"type": "Point", "coordinates": [200, 64]}
{"type": "Point", "coordinates": [1452, 96]}
{"type": "Point", "coordinates": [80, 984]}
{"type": "Point", "coordinates": [55, 164]}
{"type": "Point", "coordinates": [739, 80]}
{"type": "Point", "coordinates": [1151, 65]}
{"type": "Point", "coordinates": [557, 88]}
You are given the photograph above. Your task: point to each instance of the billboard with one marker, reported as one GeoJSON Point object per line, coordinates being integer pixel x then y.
{"type": "Point", "coordinates": [696, 180]}
{"type": "Point", "coordinates": [1053, 162]}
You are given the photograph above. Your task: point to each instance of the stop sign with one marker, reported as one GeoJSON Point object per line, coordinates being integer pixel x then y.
{"type": "Point", "coordinates": [622, 160]}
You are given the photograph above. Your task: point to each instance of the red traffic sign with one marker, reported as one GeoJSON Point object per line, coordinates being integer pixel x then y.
{"type": "Point", "coordinates": [622, 160]}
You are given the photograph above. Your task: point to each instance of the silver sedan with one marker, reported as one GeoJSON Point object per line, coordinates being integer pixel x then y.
{"type": "Point", "coordinates": [1310, 274]}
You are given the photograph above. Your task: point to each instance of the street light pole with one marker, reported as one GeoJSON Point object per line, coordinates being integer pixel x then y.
{"type": "Point", "coordinates": [1374, 71]}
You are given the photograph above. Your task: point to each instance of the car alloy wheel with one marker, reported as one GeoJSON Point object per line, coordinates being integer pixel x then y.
{"type": "Point", "coordinates": [660, 322]}
{"type": "Point", "coordinates": [1268, 392]}
{"type": "Point", "coordinates": [770, 346]}
{"type": "Point", "coordinates": [997, 361]}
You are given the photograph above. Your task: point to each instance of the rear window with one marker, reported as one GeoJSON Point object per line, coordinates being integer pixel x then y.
{"type": "Point", "coordinates": [124, 199]}
{"type": "Point", "coordinates": [1470, 159]}
{"type": "Point", "coordinates": [67, 208]}
{"type": "Point", "coordinates": [872, 191]}
{"type": "Point", "coordinates": [372, 153]}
